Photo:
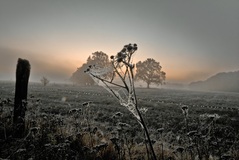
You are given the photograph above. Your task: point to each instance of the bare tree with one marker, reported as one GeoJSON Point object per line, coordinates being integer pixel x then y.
{"type": "Point", "coordinates": [45, 81]}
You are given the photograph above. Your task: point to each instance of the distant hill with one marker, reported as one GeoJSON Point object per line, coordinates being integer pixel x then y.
{"type": "Point", "coordinates": [225, 81]}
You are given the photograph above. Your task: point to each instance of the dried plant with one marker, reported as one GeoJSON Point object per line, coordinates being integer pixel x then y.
{"type": "Point", "coordinates": [121, 67]}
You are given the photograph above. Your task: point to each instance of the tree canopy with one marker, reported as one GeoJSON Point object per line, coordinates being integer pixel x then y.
{"type": "Point", "coordinates": [149, 71]}
{"type": "Point", "coordinates": [98, 58]}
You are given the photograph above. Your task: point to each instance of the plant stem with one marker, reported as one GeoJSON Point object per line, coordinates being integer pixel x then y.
{"type": "Point", "coordinates": [141, 118]}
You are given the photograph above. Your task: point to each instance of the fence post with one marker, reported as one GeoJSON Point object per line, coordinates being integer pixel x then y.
{"type": "Point", "coordinates": [20, 101]}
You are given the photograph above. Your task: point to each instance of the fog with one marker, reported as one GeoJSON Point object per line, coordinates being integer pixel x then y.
{"type": "Point", "coordinates": [41, 66]}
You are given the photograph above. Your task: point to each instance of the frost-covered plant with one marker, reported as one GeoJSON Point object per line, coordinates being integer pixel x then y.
{"type": "Point", "coordinates": [206, 139]}
{"type": "Point", "coordinates": [121, 67]}
{"type": "Point", "coordinates": [184, 109]}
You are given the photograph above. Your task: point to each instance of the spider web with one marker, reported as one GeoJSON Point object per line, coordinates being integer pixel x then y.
{"type": "Point", "coordinates": [126, 98]}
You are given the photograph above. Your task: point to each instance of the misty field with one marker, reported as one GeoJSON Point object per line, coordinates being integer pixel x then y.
{"type": "Point", "coordinates": [75, 122]}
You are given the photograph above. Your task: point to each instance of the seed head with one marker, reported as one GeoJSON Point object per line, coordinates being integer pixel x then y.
{"type": "Point", "coordinates": [180, 149]}
{"type": "Point", "coordinates": [112, 57]}
{"type": "Point", "coordinates": [129, 48]}
{"type": "Point", "coordinates": [160, 130]}
{"type": "Point", "coordinates": [184, 109]}
{"type": "Point", "coordinates": [85, 103]}
{"type": "Point", "coordinates": [119, 114]}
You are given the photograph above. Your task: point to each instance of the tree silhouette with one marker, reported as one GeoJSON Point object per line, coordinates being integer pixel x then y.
{"type": "Point", "coordinates": [99, 59]}
{"type": "Point", "coordinates": [150, 72]}
{"type": "Point", "coordinates": [44, 81]}
{"type": "Point", "coordinates": [79, 77]}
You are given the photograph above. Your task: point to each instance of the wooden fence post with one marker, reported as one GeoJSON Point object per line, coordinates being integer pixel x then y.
{"type": "Point", "coordinates": [20, 101]}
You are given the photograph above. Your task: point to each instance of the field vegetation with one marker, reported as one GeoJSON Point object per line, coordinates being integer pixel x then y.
{"type": "Point", "coordinates": [76, 122]}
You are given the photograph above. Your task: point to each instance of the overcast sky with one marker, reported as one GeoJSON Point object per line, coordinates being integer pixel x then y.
{"type": "Point", "coordinates": [192, 39]}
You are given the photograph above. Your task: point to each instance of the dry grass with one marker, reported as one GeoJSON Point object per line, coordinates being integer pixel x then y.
{"type": "Point", "coordinates": [53, 132]}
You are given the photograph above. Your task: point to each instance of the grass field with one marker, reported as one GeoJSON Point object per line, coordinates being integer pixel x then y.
{"type": "Point", "coordinates": [75, 122]}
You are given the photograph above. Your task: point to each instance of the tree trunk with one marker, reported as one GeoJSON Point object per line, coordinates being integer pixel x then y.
{"type": "Point", "coordinates": [20, 102]}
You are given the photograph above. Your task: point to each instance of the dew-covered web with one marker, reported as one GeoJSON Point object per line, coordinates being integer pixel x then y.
{"type": "Point", "coordinates": [101, 71]}
{"type": "Point", "coordinates": [107, 78]}
{"type": "Point", "coordinates": [118, 79]}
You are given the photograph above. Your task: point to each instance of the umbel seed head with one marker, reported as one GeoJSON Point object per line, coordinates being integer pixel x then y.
{"type": "Point", "coordinates": [129, 48]}
{"type": "Point", "coordinates": [123, 50]}
{"type": "Point", "coordinates": [119, 54]}
{"type": "Point", "coordinates": [87, 70]}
